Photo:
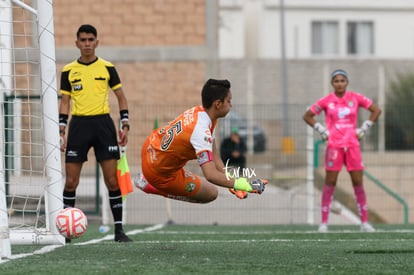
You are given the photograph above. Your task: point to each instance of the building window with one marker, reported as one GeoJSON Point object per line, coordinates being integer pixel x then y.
{"type": "Point", "coordinates": [360, 39]}
{"type": "Point", "coordinates": [325, 37]}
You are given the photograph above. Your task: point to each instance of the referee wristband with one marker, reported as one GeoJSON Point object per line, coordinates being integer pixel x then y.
{"type": "Point", "coordinates": [63, 120]}
{"type": "Point", "coordinates": [124, 115]}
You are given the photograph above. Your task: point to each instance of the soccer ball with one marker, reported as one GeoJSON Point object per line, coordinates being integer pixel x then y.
{"type": "Point", "coordinates": [71, 222]}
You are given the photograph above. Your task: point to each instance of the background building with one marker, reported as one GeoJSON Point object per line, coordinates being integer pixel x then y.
{"type": "Point", "coordinates": [165, 50]}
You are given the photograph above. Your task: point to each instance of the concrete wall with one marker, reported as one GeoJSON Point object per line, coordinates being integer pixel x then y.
{"type": "Point", "coordinates": [164, 50]}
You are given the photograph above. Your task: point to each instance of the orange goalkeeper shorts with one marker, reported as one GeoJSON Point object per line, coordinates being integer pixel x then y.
{"type": "Point", "coordinates": [178, 183]}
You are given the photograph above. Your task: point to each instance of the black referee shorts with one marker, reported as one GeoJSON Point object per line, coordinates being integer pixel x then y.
{"type": "Point", "coordinates": [85, 132]}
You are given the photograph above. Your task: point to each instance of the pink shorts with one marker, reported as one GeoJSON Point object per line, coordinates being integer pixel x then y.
{"type": "Point", "coordinates": [335, 158]}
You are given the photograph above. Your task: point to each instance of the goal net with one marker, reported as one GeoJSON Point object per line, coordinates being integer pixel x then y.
{"type": "Point", "coordinates": [30, 160]}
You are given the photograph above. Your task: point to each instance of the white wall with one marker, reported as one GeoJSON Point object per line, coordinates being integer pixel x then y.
{"type": "Point", "coordinates": [393, 26]}
{"type": "Point", "coordinates": [231, 34]}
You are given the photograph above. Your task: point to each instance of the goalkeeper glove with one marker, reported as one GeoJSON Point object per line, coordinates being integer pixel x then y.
{"type": "Point", "coordinates": [238, 193]}
{"type": "Point", "coordinates": [360, 132]}
{"type": "Point", "coordinates": [256, 186]}
{"type": "Point", "coordinates": [321, 130]}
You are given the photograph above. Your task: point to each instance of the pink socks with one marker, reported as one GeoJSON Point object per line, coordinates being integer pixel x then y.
{"type": "Point", "coordinates": [327, 194]}
{"type": "Point", "coordinates": [361, 200]}
{"type": "Point", "coordinates": [360, 197]}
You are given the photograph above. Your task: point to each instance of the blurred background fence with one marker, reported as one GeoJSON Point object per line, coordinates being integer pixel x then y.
{"type": "Point", "coordinates": [287, 198]}
{"type": "Point", "coordinates": [165, 54]}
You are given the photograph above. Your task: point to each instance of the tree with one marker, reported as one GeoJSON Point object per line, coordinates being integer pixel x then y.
{"type": "Point", "coordinates": [399, 114]}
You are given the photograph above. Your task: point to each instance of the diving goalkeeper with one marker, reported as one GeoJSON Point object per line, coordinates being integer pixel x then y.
{"type": "Point", "coordinates": [191, 136]}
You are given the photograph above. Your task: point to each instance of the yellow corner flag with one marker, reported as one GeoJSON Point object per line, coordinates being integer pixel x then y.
{"type": "Point", "coordinates": [124, 177]}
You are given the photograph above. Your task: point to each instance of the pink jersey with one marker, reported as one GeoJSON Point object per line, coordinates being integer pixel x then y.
{"type": "Point", "coordinates": [341, 115]}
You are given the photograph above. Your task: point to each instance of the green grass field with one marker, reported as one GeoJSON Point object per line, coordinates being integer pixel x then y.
{"type": "Point", "coordinates": [179, 249]}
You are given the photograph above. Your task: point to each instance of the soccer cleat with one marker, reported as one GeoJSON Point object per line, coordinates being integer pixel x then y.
{"type": "Point", "coordinates": [238, 193]}
{"type": "Point", "coordinates": [323, 228]}
{"type": "Point", "coordinates": [140, 181]}
{"type": "Point", "coordinates": [366, 227]}
{"type": "Point", "coordinates": [121, 237]}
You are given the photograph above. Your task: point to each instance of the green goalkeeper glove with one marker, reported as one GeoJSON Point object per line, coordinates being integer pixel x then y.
{"type": "Point", "coordinates": [256, 186]}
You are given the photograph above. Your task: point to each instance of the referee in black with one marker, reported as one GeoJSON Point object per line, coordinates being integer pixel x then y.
{"type": "Point", "coordinates": [85, 81]}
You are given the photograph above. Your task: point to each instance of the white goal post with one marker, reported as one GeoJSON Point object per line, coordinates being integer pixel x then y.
{"type": "Point", "coordinates": [31, 180]}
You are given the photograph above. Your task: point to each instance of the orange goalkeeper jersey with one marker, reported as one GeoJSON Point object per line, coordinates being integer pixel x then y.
{"type": "Point", "coordinates": [170, 147]}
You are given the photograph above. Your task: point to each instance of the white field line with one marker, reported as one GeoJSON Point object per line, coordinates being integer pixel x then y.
{"type": "Point", "coordinates": [334, 231]}
{"type": "Point", "coordinates": [50, 248]}
{"type": "Point", "coordinates": [267, 241]}
{"type": "Point", "coordinates": [132, 232]}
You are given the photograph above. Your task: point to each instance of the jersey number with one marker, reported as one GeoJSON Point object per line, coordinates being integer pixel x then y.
{"type": "Point", "coordinates": [170, 133]}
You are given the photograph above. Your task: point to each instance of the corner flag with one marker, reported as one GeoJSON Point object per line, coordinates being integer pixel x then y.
{"type": "Point", "coordinates": [124, 177]}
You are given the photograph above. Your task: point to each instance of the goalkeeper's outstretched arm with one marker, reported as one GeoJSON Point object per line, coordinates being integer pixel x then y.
{"type": "Point", "coordinates": [215, 172]}
{"type": "Point", "coordinates": [221, 179]}
{"type": "Point", "coordinates": [217, 158]}
{"type": "Point", "coordinates": [213, 175]}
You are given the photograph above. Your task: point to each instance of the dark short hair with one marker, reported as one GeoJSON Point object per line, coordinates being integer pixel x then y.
{"type": "Point", "coordinates": [214, 89]}
{"type": "Point", "coordinates": [88, 29]}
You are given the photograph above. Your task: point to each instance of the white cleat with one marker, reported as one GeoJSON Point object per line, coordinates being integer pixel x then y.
{"type": "Point", "coordinates": [140, 182]}
{"type": "Point", "coordinates": [323, 228]}
{"type": "Point", "coordinates": [366, 227]}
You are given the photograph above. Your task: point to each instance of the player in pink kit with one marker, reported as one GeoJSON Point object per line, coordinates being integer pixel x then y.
{"type": "Point", "coordinates": [341, 132]}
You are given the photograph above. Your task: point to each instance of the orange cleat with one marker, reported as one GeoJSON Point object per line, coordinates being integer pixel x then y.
{"type": "Point", "coordinates": [238, 193]}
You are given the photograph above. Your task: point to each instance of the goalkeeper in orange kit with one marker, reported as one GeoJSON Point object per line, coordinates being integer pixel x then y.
{"type": "Point", "coordinates": [191, 136]}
